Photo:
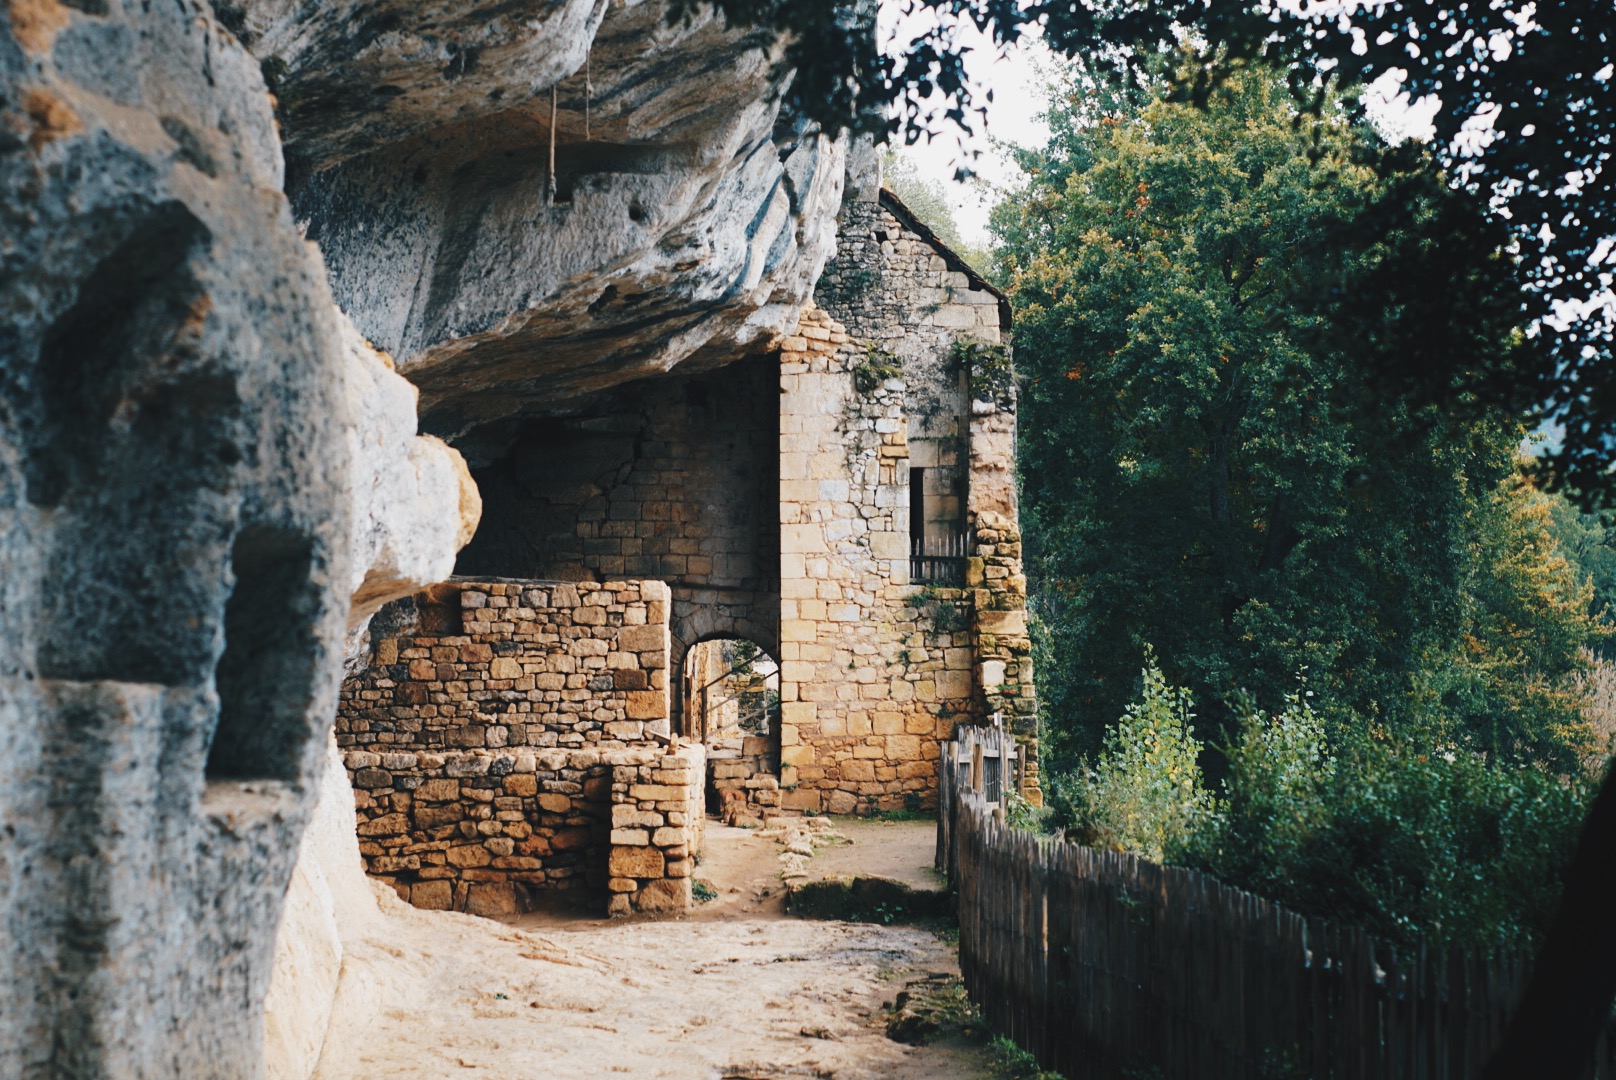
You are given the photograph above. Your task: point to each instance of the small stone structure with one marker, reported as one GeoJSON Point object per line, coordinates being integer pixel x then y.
{"type": "Point", "coordinates": [501, 731]}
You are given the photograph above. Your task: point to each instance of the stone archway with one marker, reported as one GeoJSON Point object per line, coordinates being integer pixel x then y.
{"type": "Point", "coordinates": [730, 695]}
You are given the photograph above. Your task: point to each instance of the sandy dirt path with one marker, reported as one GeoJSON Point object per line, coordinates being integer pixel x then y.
{"type": "Point", "coordinates": [737, 990]}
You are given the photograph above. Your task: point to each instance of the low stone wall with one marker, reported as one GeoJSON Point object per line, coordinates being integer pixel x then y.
{"type": "Point", "coordinates": [657, 828]}
{"type": "Point", "coordinates": [495, 730]}
{"type": "Point", "coordinates": [745, 776]}
{"type": "Point", "coordinates": [479, 830]}
{"type": "Point", "coordinates": [510, 664]}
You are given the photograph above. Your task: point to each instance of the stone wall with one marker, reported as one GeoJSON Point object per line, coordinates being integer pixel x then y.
{"type": "Point", "coordinates": [487, 737]}
{"type": "Point", "coordinates": [572, 665]}
{"type": "Point", "coordinates": [477, 831]}
{"type": "Point", "coordinates": [875, 671]}
{"type": "Point", "coordinates": [673, 479]}
{"type": "Point", "coordinates": [896, 287]}
{"type": "Point", "coordinates": [658, 823]}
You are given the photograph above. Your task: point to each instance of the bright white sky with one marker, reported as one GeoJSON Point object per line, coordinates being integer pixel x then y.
{"type": "Point", "coordinates": [1015, 116]}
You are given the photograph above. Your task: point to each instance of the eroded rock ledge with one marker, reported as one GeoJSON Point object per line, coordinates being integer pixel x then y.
{"type": "Point", "coordinates": [684, 223]}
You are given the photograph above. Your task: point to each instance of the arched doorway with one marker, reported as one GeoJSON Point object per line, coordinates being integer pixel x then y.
{"type": "Point", "coordinates": [731, 698]}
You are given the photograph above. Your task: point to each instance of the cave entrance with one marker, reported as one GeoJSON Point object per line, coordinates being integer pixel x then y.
{"type": "Point", "coordinates": [731, 697]}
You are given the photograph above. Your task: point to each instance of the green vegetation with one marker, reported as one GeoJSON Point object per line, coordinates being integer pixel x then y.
{"type": "Point", "coordinates": [1399, 832]}
{"type": "Point", "coordinates": [877, 366]}
{"type": "Point", "coordinates": [1208, 470]}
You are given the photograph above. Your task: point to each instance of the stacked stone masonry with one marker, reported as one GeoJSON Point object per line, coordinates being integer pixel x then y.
{"type": "Point", "coordinates": [657, 825]}
{"type": "Point", "coordinates": [495, 732]}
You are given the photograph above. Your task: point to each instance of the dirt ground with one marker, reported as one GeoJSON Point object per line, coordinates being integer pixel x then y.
{"type": "Point", "coordinates": [736, 990]}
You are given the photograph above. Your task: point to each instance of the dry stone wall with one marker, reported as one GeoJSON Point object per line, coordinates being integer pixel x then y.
{"type": "Point", "coordinates": [657, 827]}
{"type": "Point", "coordinates": [488, 737]}
{"type": "Point", "coordinates": [491, 665]}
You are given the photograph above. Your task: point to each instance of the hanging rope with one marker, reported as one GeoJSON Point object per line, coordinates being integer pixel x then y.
{"type": "Point", "coordinates": [551, 186]}
{"type": "Point", "coordinates": [589, 91]}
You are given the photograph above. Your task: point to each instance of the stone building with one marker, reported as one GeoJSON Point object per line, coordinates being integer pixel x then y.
{"type": "Point", "coordinates": [844, 501]}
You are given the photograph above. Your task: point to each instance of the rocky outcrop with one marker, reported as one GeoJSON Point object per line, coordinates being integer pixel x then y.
{"type": "Point", "coordinates": [174, 540]}
{"type": "Point", "coordinates": [415, 504]}
{"type": "Point", "coordinates": [684, 222]}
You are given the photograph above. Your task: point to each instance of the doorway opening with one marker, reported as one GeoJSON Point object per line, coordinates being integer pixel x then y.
{"type": "Point", "coordinates": [732, 707]}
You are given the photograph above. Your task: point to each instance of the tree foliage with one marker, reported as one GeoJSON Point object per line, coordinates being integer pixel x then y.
{"type": "Point", "coordinates": [1204, 467]}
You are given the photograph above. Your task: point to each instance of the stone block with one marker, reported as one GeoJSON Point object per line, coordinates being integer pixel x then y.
{"type": "Point", "coordinates": [801, 799]}
{"type": "Point", "coordinates": [1003, 623]}
{"type": "Point", "coordinates": [639, 639]}
{"type": "Point", "coordinates": [423, 670]}
{"type": "Point", "coordinates": [630, 679]}
{"type": "Point", "coordinates": [635, 862]}
{"type": "Point", "coordinates": [625, 816]}
{"type": "Point", "coordinates": [438, 790]}
{"type": "Point", "coordinates": [428, 818]}
{"type": "Point", "coordinates": [469, 855]}
{"type": "Point", "coordinates": [840, 802]}
{"type": "Point", "coordinates": [432, 895]}
{"type": "Point", "coordinates": [371, 779]}
{"type": "Point", "coordinates": [798, 756]}
{"type": "Point", "coordinates": [664, 896]}
{"type": "Point", "coordinates": [493, 898]}
{"type": "Point", "coordinates": [476, 653]}
{"type": "Point", "coordinates": [889, 545]}
{"type": "Point", "coordinates": [522, 785]}
{"type": "Point", "coordinates": [655, 793]}
{"type": "Point", "coordinates": [555, 804]}
{"type": "Point", "coordinates": [503, 667]}
{"type": "Point", "coordinates": [666, 837]}
{"type": "Point", "coordinates": [386, 825]}
{"type": "Point", "coordinates": [632, 837]}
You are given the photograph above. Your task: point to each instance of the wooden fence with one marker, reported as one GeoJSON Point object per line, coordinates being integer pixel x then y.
{"type": "Point", "coordinates": [1109, 966]}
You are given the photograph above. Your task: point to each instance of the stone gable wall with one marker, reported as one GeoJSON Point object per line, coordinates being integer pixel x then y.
{"type": "Point", "coordinates": [875, 671]}
{"type": "Point", "coordinates": [893, 289]}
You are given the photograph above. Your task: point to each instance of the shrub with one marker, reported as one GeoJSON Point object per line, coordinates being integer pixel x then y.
{"type": "Point", "coordinates": [1144, 795]}
{"type": "Point", "coordinates": [1406, 835]}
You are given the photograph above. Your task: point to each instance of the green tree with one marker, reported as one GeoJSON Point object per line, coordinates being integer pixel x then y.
{"type": "Point", "coordinates": [1144, 795]}
{"type": "Point", "coordinates": [1204, 465]}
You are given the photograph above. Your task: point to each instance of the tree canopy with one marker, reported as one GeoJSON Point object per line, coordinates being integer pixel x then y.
{"type": "Point", "coordinates": [1203, 467]}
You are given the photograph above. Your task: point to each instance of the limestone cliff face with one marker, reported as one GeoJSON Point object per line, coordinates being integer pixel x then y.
{"type": "Point", "coordinates": [174, 540]}
{"type": "Point", "coordinates": [684, 220]}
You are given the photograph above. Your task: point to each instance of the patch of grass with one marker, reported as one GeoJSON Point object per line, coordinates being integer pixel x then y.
{"type": "Point", "coordinates": [1014, 1063]}
{"type": "Point", "coordinates": [702, 891]}
{"type": "Point", "coordinates": [906, 814]}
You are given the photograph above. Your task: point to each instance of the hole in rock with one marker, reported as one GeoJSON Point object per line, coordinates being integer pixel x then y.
{"type": "Point", "coordinates": [267, 674]}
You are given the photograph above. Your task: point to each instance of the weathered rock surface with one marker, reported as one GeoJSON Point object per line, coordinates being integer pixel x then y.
{"type": "Point", "coordinates": [174, 541]}
{"type": "Point", "coordinates": [688, 222]}
{"type": "Point", "coordinates": [415, 504]}
{"type": "Point", "coordinates": [352, 75]}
